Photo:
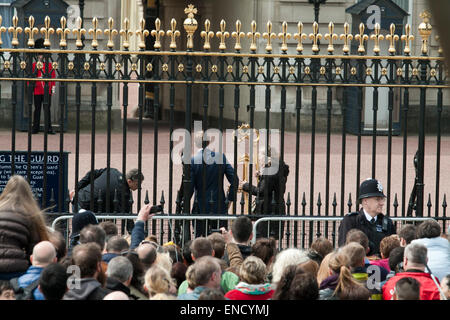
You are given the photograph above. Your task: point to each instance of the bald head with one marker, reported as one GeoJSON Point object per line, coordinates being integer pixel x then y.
{"type": "Point", "coordinates": [44, 253]}
{"type": "Point", "coordinates": [147, 254]}
{"type": "Point", "coordinates": [116, 295]}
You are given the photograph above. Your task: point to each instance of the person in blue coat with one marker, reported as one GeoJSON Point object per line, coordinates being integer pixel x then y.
{"type": "Point", "coordinates": [44, 253]}
{"type": "Point", "coordinates": [208, 191]}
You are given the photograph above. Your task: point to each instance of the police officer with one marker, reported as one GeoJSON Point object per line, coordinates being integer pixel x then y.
{"type": "Point", "coordinates": [369, 219]}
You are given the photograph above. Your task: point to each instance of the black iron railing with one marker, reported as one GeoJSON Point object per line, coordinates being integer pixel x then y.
{"type": "Point", "coordinates": [254, 75]}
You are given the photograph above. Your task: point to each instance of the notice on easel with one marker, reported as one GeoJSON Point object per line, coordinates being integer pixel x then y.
{"type": "Point", "coordinates": [35, 166]}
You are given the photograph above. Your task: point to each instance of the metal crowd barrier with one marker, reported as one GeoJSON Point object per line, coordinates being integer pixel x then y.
{"type": "Point", "coordinates": [333, 220]}
{"type": "Point", "coordinates": [190, 218]}
{"type": "Point", "coordinates": [297, 222]}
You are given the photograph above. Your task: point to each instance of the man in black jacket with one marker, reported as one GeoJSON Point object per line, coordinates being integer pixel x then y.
{"type": "Point", "coordinates": [119, 190]}
{"type": "Point", "coordinates": [369, 219]}
{"type": "Point", "coordinates": [269, 192]}
{"type": "Point", "coordinates": [116, 185]}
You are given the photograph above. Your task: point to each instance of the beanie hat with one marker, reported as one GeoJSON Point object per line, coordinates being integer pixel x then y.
{"type": "Point", "coordinates": [81, 219]}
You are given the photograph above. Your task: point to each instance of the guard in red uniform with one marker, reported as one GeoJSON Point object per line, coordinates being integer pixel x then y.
{"type": "Point", "coordinates": [39, 91]}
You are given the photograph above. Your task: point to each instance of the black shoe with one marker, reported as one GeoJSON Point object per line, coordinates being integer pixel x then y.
{"type": "Point", "coordinates": [51, 132]}
{"type": "Point", "coordinates": [34, 131]}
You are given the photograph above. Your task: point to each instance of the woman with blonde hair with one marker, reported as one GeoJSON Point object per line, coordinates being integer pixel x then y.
{"type": "Point", "coordinates": [158, 280]}
{"type": "Point", "coordinates": [164, 261]}
{"type": "Point", "coordinates": [324, 268]}
{"type": "Point", "coordinates": [22, 225]}
{"type": "Point", "coordinates": [340, 283]}
{"type": "Point", "coordinates": [253, 285]}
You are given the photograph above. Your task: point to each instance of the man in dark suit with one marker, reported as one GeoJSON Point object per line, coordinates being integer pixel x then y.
{"type": "Point", "coordinates": [116, 184]}
{"type": "Point", "coordinates": [205, 185]}
{"type": "Point", "coordinates": [120, 197]}
{"type": "Point", "coordinates": [269, 192]}
{"type": "Point", "coordinates": [369, 219]}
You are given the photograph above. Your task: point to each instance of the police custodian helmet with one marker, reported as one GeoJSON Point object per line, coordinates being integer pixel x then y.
{"type": "Point", "coordinates": [370, 188]}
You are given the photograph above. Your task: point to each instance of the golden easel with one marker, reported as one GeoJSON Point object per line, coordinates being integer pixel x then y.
{"type": "Point", "coordinates": [244, 135]}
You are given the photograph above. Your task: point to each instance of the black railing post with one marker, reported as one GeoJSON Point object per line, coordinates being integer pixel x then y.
{"type": "Point", "coordinates": [319, 205]}
{"type": "Point", "coordinates": [429, 205]}
{"type": "Point", "coordinates": [288, 229]}
{"type": "Point", "coordinates": [162, 201]}
{"type": "Point", "coordinates": [62, 73]}
{"type": "Point", "coordinates": [440, 80]}
{"type": "Point", "coordinates": [303, 203]}
{"type": "Point", "coordinates": [333, 234]}
{"type": "Point", "coordinates": [190, 25]}
{"type": "Point", "coordinates": [299, 61]}
{"type": "Point", "coordinates": [30, 86]}
{"type": "Point", "coordinates": [91, 67]}
{"type": "Point", "coordinates": [444, 211]}
{"type": "Point", "coordinates": [391, 80]}
{"type": "Point", "coordinates": [109, 102]}
{"type": "Point", "coordinates": [425, 32]}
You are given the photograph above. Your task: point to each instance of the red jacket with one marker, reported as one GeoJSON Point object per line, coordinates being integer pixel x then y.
{"type": "Point", "coordinates": [39, 85]}
{"type": "Point", "coordinates": [428, 289]}
{"type": "Point", "coordinates": [244, 291]}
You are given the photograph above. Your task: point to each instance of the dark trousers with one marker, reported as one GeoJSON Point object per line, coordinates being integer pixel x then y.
{"type": "Point", "coordinates": [38, 101]}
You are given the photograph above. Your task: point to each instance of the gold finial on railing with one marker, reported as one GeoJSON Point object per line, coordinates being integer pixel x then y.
{"type": "Point", "coordinates": [157, 33]}
{"type": "Point", "coordinates": [95, 31]}
{"type": "Point", "coordinates": [126, 33]}
{"type": "Point", "coordinates": [238, 35]}
{"type": "Point", "coordinates": [79, 32]}
{"type": "Point", "coordinates": [438, 40]}
{"type": "Point", "coordinates": [392, 38]}
{"type": "Point", "coordinates": [222, 34]}
{"type": "Point", "coordinates": [207, 35]}
{"type": "Point", "coordinates": [253, 35]}
{"type": "Point", "coordinates": [407, 37]}
{"type": "Point", "coordinates": [269, 35]}
{"type": "Point", "coordinates": [284, 36]}
{"type": "Point", "coordinates": [2, 30]}
{"type": "Point", "coordinates": [330, 37]}
{"type": "Point", "coordinates": [300, 37]}
{"type": "Point", "coordinates": [425, 30]}
{"type": "Point", "coordinates": [315, 36]}
{"type": "Point", "coordinates": [47, 31]}
{"type": "Point", "coordinates": [31, 31]}
{"type": "Point", "coordinates": [173, 33]}
{"type": "Point", "coordinates": [377, 37]}
{"type": "Point", "coordinates": [190, 25]}
{"type": "Point", "coordinates": [143, 33]}
{"type": "Point", "coordinates": [347, 37]}
{"type": "Point", "coordinates": [15, 30]}
{"type": "Point", "coordinates": [361, 37]}
{"type": "Point", "coordinates": [111, 33]}
{"type": "Point", "coordinates": [63, 32]}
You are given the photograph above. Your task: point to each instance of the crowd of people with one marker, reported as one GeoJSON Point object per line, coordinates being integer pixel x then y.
{"type": "Point", "coordinates": [97, 263]}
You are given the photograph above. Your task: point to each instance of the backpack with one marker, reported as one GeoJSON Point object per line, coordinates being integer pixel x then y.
{"type": "Point", "coordinates": [24, 293]}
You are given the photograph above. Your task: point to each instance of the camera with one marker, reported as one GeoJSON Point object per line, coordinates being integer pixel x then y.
{"type": "Point", "coordinates": [215, 230]}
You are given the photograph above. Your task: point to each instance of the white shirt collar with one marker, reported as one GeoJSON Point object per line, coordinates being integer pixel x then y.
{"type": "Point", "coordinates": [368, 216]}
